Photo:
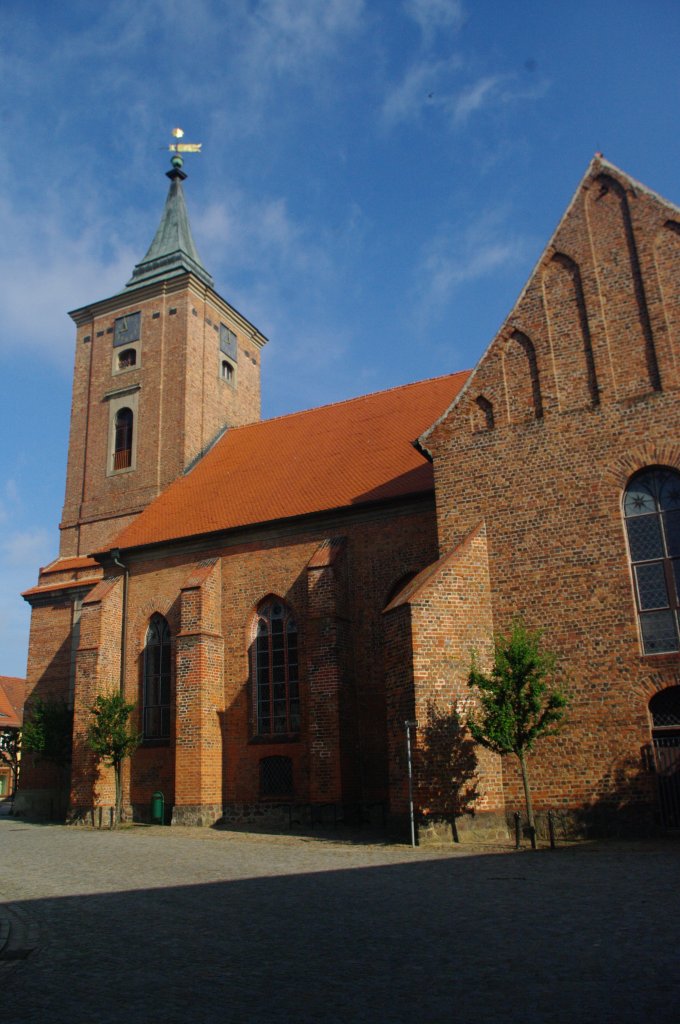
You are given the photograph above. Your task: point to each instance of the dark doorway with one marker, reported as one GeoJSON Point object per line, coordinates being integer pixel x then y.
{"type": "Point", "coordinates": [664, 708]}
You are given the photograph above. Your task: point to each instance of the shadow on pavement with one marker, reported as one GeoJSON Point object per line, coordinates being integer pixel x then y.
{"type": "Point", "coordinates": [561, 936]}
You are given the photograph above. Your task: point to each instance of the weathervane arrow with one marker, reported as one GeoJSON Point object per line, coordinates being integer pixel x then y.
{"type": "Point", "coordinates": [183, 147]}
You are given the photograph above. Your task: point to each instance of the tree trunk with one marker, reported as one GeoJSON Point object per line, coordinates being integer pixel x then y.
{"type": "Point", "coordinates": [527, 797]}
{"type": "Point", "coordinates": [117, 770]}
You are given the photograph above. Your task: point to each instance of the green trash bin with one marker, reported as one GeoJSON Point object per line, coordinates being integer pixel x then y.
{"type": "Point", "coordinates": [157, 809]}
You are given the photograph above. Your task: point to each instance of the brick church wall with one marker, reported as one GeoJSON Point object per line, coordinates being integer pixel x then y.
{"type": "Point", "coordinates": [435, 625]}
{"type": "Point", "coordinates": [577, 392]}
{"type": "Point", "coordinates": [199, 696]}
{"type": "Point", "coordinates": [97, 672]}
{"type": "Point", "coordinates": [214, 756]}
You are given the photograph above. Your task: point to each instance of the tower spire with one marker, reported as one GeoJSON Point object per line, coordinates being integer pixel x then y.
{"type": "Point", "coordinates": [172, 251]}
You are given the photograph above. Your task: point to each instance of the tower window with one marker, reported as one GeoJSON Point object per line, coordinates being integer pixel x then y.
{"type": "Point", "coordinates": [227, 371]}
{"type": "Point", "coordinates": [122, 446]}
{"type": "Point", "coordinates": [127, 358]}
{"type": "Point", "coordinates": [651, 508]}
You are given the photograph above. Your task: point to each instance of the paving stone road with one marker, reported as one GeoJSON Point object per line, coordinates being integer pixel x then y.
{"type": "Point", "coordinates": [159, 925]}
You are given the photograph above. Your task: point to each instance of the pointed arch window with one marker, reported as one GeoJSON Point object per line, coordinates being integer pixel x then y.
{"type": "Point", "coordinates": [652, 513]}
{"type": "Point", "coordinates": [276, 690]}
{"type": "Point", "coordinates": [156, 714]}
{"type": "Point", "coordinates": [122, 442]}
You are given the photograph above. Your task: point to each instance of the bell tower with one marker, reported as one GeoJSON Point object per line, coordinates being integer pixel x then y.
{"type": "Point", "coordinates": [161, 370]}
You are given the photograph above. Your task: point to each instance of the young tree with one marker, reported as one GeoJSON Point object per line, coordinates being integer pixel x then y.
{"type": "Point", "coordinates": [518, 700]}
{"type": "Point", "coordinates": [110, 736]}
{"type": "Point", "coordinates": [48, 735]}
{"type": "Point", "coordinates": [10, 740]}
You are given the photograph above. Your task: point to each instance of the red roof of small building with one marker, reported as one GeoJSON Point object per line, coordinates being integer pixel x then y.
{"type": "Point", "coordinates": [74, 563]}
{"type": "Point", "coordinates": [337, 456]}
{"type": "Point", "coordinates": [12, 695]}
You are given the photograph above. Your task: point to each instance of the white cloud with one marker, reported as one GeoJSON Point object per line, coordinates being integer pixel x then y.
{"type": "Point", "coordinates": [26, 548]}
{"type": "Point", "coordinates": [457, 257]}
{"type": "Point", "coordinates": [45, 271]}
{"type": "Point", "coordinates": [21, 552]}
{"type": "Point", "coordinates": [473, 98]}
{"type": "Point", "coordinates": [424, 82]}
{"type": "Point", "coordinates": [489, 91]}
{"type": "Point", "coordinates": [9, 500]}
{"type": "Point", "coordinates": [429, 83]}
{"type": "Point", "coordinates": [434, 15]}
{"type": "Point", "coordinates": [291, 33]}
{"type": "Point", "coordinates": [249, 234]}
{"type": "Point", "coordinates": [11, 491]}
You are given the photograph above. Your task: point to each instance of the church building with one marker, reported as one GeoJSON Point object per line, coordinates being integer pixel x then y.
{"type": "Point", "coordinates": [279, 597]}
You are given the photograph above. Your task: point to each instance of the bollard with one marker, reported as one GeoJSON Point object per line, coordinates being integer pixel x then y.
{"type": "Point", "coordinates": [551, 829]}
{"type": "Point", "coordinates": [517, 830]}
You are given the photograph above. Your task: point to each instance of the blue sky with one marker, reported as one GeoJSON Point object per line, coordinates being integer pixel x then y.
{"type": "Point", "coordinates": [378, 178]}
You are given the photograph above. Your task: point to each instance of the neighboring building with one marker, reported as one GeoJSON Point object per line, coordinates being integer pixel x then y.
{"type": "Point", "coordinates": [279, 597]}
{"type": "Point", "coordinates": [12, 691]}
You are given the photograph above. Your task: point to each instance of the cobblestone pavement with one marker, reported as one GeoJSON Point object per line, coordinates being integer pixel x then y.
{"type": "Point", "coordinates": [159, 925]}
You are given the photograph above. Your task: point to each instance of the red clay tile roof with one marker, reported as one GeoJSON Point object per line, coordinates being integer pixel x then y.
{"type": "Point", "coordinates": [48, 588]}
{"type": "Point", "coordinates": [66, 564]}
{"type": "Point", "coordinates": [333, 457]}
{"type": "Point", "coordinates": [12, 695]}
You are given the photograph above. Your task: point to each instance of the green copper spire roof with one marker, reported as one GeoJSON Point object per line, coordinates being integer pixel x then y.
{"type": "Point", "coordinates": [172, 251]}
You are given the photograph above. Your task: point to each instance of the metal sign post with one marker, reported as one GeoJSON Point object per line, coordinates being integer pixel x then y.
{"type": "Point", "coordinates": [408, 726]}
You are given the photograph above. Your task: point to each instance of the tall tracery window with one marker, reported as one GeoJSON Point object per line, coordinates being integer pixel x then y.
{"type": "Point", "coordinates": [122, 443]}
{"type": "Point", "coordinates": [277, 692]}
{"type": "Point", "coordinates": [156, 725]}
{"type": "Point", "coordinates": [652, 511]}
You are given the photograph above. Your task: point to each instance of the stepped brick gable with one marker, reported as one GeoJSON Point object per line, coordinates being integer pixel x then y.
{"type": "Point", "coordinates": [577, 392]}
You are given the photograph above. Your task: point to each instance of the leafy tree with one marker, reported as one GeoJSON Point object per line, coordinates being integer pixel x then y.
{"type": "Point", "coordinates": [10, 741]}
{"type": "Point", "coordinates": [48, 731]}
{"type": "Point", "coordinates": [110, 736]}
{"type": "Point", "coordinates": [518, 700]}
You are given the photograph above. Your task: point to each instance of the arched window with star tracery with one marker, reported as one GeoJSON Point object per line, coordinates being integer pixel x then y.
{"type": "Point", "coordinates": [651, 506]}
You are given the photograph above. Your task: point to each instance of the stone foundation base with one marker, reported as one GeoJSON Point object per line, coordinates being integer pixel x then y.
{"type": "Point", "coordinates": [597, 821]}
{"type": "Point", "coordinates": [201, 815]}
{"type": "Point", "coordinates": [276, 816]}
{"type": "Point", "coordinates": [485, 827]}
{"type": "Point", "coordinates": [43, 804]}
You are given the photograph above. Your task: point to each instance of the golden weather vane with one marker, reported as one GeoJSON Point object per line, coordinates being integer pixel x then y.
{"type": "Point", "coordinates": [183, 147]}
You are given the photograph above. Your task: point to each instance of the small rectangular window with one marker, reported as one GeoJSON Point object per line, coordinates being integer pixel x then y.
{"type": "Point", "coordinates": [276, 776]}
